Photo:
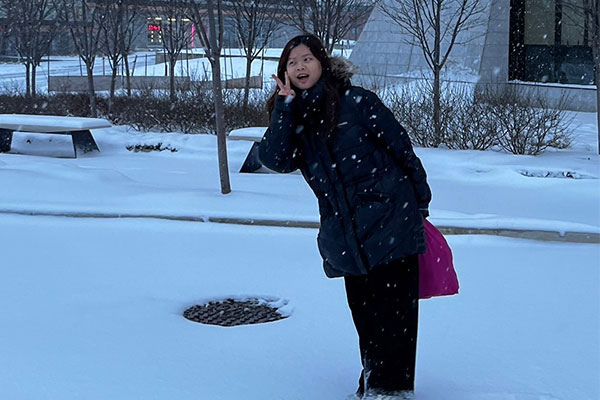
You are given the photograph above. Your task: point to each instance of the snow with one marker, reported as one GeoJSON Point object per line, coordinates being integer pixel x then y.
{"type": "Point", "coordinates": [92, 307]}
{"type": "Point", "coordinates": [471, 188]}
{"type": "Point", "coordinates": [50, 123]}
{"type": "Point", "coordinates": [555, 84]}
{"type": "Point", "coordinates": [252, 134]}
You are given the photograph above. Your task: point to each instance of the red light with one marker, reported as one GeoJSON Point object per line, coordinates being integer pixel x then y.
{"type": "Point", "coordinates": [154, 27]}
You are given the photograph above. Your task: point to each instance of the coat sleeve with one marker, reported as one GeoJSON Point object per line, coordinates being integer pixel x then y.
{"type": "Point", "coordinates": [278, 149]}
{"type": "Point", "coordinates": [381, 122]}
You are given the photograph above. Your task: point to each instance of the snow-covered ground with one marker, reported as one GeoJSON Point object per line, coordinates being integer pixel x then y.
{"type": "Point", "coordinates": [471, 188]}
{"type": "Point", "coordinates": [233, 65]}
{"type": "Point", "coordinates": [90, 308]}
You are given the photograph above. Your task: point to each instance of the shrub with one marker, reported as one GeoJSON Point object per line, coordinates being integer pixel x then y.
{"type": "Point", "coordinates": [516, 120]}
{"type": "Point", "coordinates": [526, 122]}
{"type": "Point", "coordinates": [413, 112]}
{"type": "Point", "coordinates": [470, 125]}
{"type": "Point", "coordinates": [254, 115]}
{"type": "Point", "coordinates": [149, 110]}
{"type": "Point", "coordinates": [412, 105]}
{"type": "Point", "coordinates": [146, 148]}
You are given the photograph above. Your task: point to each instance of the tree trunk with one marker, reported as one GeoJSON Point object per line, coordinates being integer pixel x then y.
{"type": "Point", "coordinates": [220, 126]}
{"type": "Point", "coordinates": [330, 46]}
{"type": "Point", "coordinates": [128, 74]}
{"type": "Point", "coordinates": [33, 78]}
{"type": "Point", "coordinates": [597, 73]}
{"type": "Point", "coordinates": [214, 50]}
{"type": "Point", "coordinates": [113, 82]}
{"type": "Point", "coordinates": [247, 83]}
{"type": "Point", "coordinates": [437, 140]}
{"type": "Point", "coordinates": [596, 55]}
{"type": "Point", "coordinates": [27, 79]}
{"type": "Point", "coordinates": [436, 77]}
{"type": "Point", "coordinates": [172, 79]}
{"type": "Point", "coordinates": [89, 66]}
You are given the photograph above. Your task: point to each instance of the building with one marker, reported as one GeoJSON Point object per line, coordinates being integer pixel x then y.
{"type": "Point", "coordinates": [538, 44]}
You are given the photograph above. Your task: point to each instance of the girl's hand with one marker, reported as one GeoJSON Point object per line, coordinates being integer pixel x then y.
{"type": "Point", "coordinates": [284, 89]}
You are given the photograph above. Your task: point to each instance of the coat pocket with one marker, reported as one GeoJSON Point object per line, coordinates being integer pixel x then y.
{"type": "Point", "coordinates": [371, 214]}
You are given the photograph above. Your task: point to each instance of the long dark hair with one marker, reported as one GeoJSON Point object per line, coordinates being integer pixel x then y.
{"type": "Point", "coordinates": [332, 85]}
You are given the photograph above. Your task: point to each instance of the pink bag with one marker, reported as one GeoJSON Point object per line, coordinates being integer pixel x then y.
{"type": "Point", "coordinates": [436, 272]}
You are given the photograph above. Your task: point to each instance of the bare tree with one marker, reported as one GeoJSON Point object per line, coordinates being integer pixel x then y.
{"type": "Point", "coordinates": [84, 20]}
{"type": "Point", "coordinates": [255, 23]}
{"type": "Point", "coordinates": [120, 30]}
{"type": "Point", "coordinates": [329, 20]}
{"type": "Point", "coordinates": [586, 14]}
{"type": "Point", "coordinates": [174, 32]}
{"type": "Point", "coordinates": [130, 30]}
{"type": "Point", "coordinates": [436, 27]}
{"type": "Point", "coordinates": [211, 38]}
{"type": "Point", "coordinates": [31, 29]}
{"type": "Point", "coordinates": [111, 30]}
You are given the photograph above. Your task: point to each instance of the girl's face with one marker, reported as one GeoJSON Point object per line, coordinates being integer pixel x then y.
{"type": "Point", "coordinates": [303, 67]}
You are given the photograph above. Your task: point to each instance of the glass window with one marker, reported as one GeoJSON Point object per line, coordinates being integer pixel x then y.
{"type": "Point", "coordinates": [539, 22]}
{"type": "Point", "coordinates": [574, 27]}
{"type": "Point", "coordinates": [550, 42]}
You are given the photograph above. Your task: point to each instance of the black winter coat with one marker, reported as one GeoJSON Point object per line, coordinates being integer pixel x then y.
{"type": "Point", "coordinates": [371, 187]}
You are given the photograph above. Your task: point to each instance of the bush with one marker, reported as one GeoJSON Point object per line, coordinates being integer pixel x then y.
{"type": "Point", "coordinates": [58, 104]}
{"type": "Point", "coordinates": [502, 116]}
{"type": "Point", "coordinates": [517, 121]}
{"type": "Point", "coordinates": [462, 127]}
{"type": "Point", "coordinates": [146, 148]}
{"type": "Point", "coordinates": [470, 122]}
{"type": "Point", "coordinates": [149, 110]}
{"type": "Point", "coordinates": [192, 112]}
{"type": "Point", "coordinates": [412, 105]}
{"type": "Point", "coordinates": [526, 122]}
{"type": "Point", "coordinates": [255, 114]}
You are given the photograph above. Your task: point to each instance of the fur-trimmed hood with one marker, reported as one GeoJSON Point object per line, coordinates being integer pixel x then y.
{"type": "Point", "coordinates": [342, 68]}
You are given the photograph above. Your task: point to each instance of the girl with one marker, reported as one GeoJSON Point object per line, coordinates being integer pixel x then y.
{"type": "Point", "coordinates": [373, 196]}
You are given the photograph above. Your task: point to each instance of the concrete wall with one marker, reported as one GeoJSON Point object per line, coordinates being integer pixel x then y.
{"type": "Point", "coordinates": [494, 56]}
{"type": "Point", "coordinates": [102, 83]}
{"type": "Point", "coordinates": [383, 50]}
{"type": "Point", "coordinates": [161, 57]}
{"type": "Point", "coordinates": [574, 98]}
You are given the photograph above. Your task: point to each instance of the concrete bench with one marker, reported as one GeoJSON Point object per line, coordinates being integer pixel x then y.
{"type": "Point", "coordinates": [253, 135]}
{"type": "Point", "coordinates": [77, 127]}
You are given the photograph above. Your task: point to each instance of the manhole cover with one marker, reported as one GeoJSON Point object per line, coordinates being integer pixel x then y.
{"type": "Point", "coordinates": [231, 312]}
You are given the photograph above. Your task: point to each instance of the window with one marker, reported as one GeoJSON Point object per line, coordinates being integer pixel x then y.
{"type": "Point", "coordinates": [154, 31]}
{"type": "Point", "coordinates": [550, 42]}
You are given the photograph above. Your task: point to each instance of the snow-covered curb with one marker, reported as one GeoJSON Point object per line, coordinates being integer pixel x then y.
{"type": "Point", "coordinates": [571, 232]}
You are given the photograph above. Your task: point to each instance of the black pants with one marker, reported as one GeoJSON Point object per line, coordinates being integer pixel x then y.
{"type": "Point", "coordinates": [385, 308]}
